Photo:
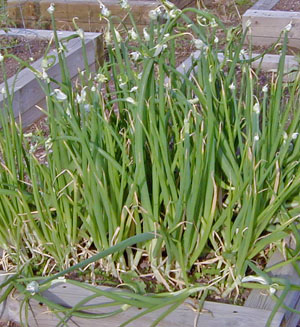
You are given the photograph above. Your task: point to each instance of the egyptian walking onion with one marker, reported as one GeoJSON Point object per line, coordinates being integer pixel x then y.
{"type": "Point", "coordinates": [175, 168]}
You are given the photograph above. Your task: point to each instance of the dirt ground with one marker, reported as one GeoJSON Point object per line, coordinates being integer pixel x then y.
{"type": "Point", "coordinates": [22, 48]}
{"type": "Point", "coordinates": [9, 324]}
{"type": "Point", "coordinates": [287, 5]}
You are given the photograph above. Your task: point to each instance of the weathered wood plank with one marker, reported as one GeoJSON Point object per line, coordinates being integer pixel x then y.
{"type": "Point", "coordinates": [266, 26]}
{"type": "Point", "coordinates": [181, 4]}
{"type": "Point", "coordinates": [87, 11]}
{"type": "Point", "coordinates": [269, 63]}
{"type": "Point", "coordinates": [27, 92]}
{"type": "Point", "coordinates": [264, 4]}
{"type": "Point", "coordinates": [214, 314]}
{"type": "Point", "coordinates": [260, 299]}
{"type": "Point", "coordinates": [4, 315]}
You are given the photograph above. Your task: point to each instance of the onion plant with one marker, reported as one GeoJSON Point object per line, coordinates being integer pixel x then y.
{"type": "Point", "coordinates": [208, 159]}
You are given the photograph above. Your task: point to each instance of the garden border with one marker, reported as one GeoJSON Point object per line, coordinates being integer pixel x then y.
{"type": "Point", "coordinates": [266, 24]}
{"type": "Point", "coordinates": [28, 95]}
{"type": "Point", "coordinates": [213, 313]}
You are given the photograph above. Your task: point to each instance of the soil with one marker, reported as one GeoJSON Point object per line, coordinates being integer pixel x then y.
{"type": "Point", "coordinates": [287, 5]}
{"type": "Point", "coordinates": [227, 10]}
{"type": "Point", "coordinates": [9, 324]}
{"type": "Point", "coordinates": [23, 48]}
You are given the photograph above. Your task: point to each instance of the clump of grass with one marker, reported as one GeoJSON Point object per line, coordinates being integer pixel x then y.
{"type": "Point", "coordinates": [206, 158]}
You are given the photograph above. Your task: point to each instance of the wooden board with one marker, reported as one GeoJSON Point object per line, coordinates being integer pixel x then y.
{"type": "Point", "coordinates": [181, 4]}
{"type": "Point", "coordinates": [266, 26]}
{"type": "Point", "coordinates": [32, 12]}
{"type": "Point", "coordinates": [269, 63]}
{"type": "Point", "coordinates": [264, 4]}
{"type": "Point", "coordinates": [27, 92]}
{"type": "Point", "coordinates": [214, 314]}
{"type": "Point", "coordinates": [260, 299]}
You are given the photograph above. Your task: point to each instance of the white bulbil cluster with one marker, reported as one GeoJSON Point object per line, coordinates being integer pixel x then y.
{"type": "Point", "coordinates": [135, 55]}
{"type": "Point", "coordinates": [124, 4]}
{"type": "Point", "coordinates": [107, 37]}
{"type": "Point", "coordinates": [133, 35]}
{"type": "Point", "coordinates": [51, 9]}
{"type": "Point", "coordinates": [80, 33]}
{"type": "Point", "coordinates": [59, 95]}
{"type": "Point", "coordinates": [100, 78]}
{"type": "Point", "coordinates": [256, 108]}
{"type": "Point", "coordinates": [232, 87]}
{"type": "Point", "coordinates": [159, 48]}
{"type": "Point", "coordinates": [146, 34]}
{"type": "Point", "coordinates": [104, 10]}
{"type": "Point", "coordinates": [288, 27]}
{"type": "Point", "coordinates": [265, 88]}
{"type": "Point", "coordinates": [80, 98]}
{"type": "Point", "coordinates": [130, 100]}
{"type": "Point", "coordinates": [118, 36]}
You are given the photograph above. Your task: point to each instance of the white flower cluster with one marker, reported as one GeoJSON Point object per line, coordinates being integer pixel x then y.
{"type": "Point", "coordinates": [124, 4]}
{"type": "Point", "coordinates": [167, 11]}
{"type": "Point", "coordinates": [256, 108]}
{"type": "Point", "coordinates": [288, 27]}
{"type": "Point", "coordinates": [80, 33]}
{"type": "Point", "coordinates": [135, 55]}
{"type": "Point", "coordinates": [104, 10]}
{"type": "Point", "coordinates": [108, 38]}
{"type": "Point", "coordinates": [80, 98]}
{"type": "Point", "coordinates": [146, 34]}
{"type": "Point", "coordinates": [133, 35]}
{"type": "Point", "coordinates": [100, 78]}
{"type": "Point", "coordinates": [159, 48]}
{"type": "Point", "coordinates": [59, 95]}
{"type": "Point", "coordinates": [51, 9]}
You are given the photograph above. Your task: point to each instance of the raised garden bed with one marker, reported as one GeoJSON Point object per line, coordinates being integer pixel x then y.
{"type": "Point", "coordinates": [187, 314]}
{"type": "Point", "coordinates": [268, 22]}
{"type": "Point", "coordinates": [28, 95]}
{"type": "Point", "coordinates": [255, 311]}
